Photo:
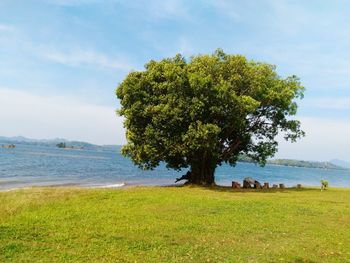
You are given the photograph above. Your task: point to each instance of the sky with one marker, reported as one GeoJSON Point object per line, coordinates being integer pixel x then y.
{"type": "Point", "coordinates": [61, 60]}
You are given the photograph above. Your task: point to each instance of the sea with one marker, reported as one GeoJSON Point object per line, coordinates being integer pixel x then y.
{"type": "Point", "coordinates": [37, 165]}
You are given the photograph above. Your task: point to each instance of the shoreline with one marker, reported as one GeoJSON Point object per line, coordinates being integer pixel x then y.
{"type": "Point", "coordinates": [122, 185]}
{"type": "Point", "coordinates": [127, 186]}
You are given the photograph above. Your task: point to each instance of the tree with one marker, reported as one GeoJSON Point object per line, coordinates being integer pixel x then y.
{"type": "Point", "coordinates": [206, 111]}
{"type": "Point", "coordinates": [61, 145]}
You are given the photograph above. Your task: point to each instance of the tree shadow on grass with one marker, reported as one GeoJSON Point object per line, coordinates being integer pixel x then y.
{"type": "Point", "coordinates": [300, 260]}
{"type": "Point", "coordinates": [219, 188]}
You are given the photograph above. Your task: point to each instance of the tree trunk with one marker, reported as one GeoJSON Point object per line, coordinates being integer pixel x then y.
{"type": "Point", "coordinates": [202, 173]}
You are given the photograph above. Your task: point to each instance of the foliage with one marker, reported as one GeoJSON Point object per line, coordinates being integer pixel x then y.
{"type": "Point", "coordinates": [206, 111]}
{"type": "Point", "coordinates": [174, 225]}
{"type": "Point", "coordinates": [324, 184]}
{"type": "Point", "coordinates": [8, 146]}
{"type": "Point", "coordinates": [61, 145]}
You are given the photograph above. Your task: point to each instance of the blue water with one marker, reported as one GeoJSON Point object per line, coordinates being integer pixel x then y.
{"type": "Point", "coordinates": [31, 165]}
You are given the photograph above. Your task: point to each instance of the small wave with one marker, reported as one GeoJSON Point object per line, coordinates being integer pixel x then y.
{"type": "Point", "coordinates": [13, 189]}
{"type": "Point", "coordinates": [69, 155]}
{"type": "Point", "coordinates": [112, 185]}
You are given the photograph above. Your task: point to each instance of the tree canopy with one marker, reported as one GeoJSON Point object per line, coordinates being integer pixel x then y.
{"type": "Point", "coordinates": [205, 111]}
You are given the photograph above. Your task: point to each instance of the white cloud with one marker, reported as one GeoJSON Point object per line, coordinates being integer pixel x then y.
{"type": "Point", "coordinates": [4, 27]}
{"type": "Point", "coordinates": [71, 55]}
{"type": "Point", "coordinates": [273, 15]}
{"type": "Point", "coordinates": [72, 2]}
{"type": "Point", "coordinates": [325, 139]}
{"type": "Point", "coordinates": [329, 103]}
{"type": "Point", "coordinates": [166, 9]}
{"type": "Point", "coordinates": [185, 47]}
{"type": "Point", "coordinates": [229, 8]}
{"type": "Point", "coordinates": [80, 57]}
{"type": "Point", "coordinates": [41, 117]}
{"type": "Point", "coordinates": [182, 45]}
{"type": "Point", "coordinates": [155, 9]}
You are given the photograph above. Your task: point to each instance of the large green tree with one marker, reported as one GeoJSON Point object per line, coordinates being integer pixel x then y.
{"type": "Point", "coordinates": [205, 111]}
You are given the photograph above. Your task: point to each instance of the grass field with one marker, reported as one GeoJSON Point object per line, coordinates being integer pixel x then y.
{"type": "Point", "coordinates": [172, 224]}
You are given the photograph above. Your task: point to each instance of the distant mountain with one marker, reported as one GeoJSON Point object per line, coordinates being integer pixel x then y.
{"type": "Point", "coordinates": [24, 139]}
{"type": "Point", "coordinates": [340, 163]}
{"type": "Point", "coordinates": [17, 138]}
{"type": "Point", "coordinates": [58, 142]}
{"type": "Point", "coordinates": [306, 164]}
{"type": "Point", "coordinates": [50, 142]}
{"type": "Point", "coordinates": [298, 163]}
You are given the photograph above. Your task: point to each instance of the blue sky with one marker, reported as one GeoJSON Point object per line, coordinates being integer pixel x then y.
{"type": "Point", "coordinates": [61, 60]}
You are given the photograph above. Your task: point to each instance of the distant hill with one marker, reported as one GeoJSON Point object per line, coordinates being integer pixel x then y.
{"type": "Point", "coordinates": [52, 143]}
{"type": "Point", "coordinates": [306, 164]}
{"type": "Point", "coordinates": [27, 140]}
{"type": "Point", "coordinates": [298, 163]}
{"type": "Point", "coordinates": [340, 163]}
{"type": "Point", "coordinates": [79, 145]}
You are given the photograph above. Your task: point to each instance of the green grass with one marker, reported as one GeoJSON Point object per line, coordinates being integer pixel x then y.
{"type": "Point", "coordinates": [174, 225]}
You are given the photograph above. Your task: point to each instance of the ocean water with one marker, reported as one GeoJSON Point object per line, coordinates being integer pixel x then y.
{"type": "Point", "coordinates": [33, 165]}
